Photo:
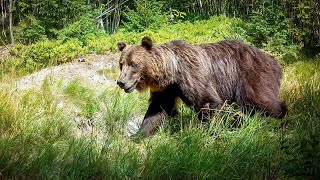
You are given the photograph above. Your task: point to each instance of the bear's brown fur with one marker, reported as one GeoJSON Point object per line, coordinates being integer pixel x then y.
{"type": "Point", "coordinates": [200, 75]}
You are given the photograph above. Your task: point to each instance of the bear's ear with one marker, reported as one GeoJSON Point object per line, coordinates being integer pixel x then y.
{"type": "Point", "coordinates": [147, 43]}
{"type": "Point", "coordinates": [121, 46]}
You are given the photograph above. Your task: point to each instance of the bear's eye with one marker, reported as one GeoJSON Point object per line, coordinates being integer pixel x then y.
{"type": "Point", "coordinates": [132, 64]}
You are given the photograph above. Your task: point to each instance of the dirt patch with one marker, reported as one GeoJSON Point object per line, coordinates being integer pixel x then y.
{"type": "Point", "coordinates": [87, 72]}
{"type": "Point", "coordinates": [4, 52]}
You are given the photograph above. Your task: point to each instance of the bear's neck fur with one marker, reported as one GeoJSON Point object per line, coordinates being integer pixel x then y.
{"type": "Point", "coordinates": [161, 67]}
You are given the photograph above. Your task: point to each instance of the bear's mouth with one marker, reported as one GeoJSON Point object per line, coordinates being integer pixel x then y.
{"type": "Point", "coordinates": [132, 88]}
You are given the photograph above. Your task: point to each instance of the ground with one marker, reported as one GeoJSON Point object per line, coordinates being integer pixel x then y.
{"type": "Point", "coordinates": [86, 72]}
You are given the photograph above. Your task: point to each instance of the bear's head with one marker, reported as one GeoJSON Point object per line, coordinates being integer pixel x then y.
{"type": "Point", "coordinates": [133, 65]}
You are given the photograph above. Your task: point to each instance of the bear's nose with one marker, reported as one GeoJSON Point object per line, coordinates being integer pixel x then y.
{"type": "Point", "coordinates": [121, 83]}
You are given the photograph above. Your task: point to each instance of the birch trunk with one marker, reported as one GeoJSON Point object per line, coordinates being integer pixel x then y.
{"type": "Point", "coordinates": [10, 22]}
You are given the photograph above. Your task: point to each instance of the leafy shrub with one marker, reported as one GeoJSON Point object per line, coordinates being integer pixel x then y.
{"type": "Point", "coordinates": [306, 24]}
{"type": "Point", "coordinates": [40, 52]}
{"type": "Point", "coordinates": [80, 29]}
{"type": "Point", "coordinates": [146, 14]}
{"type": "Point", "coordinates": [67, 51]}
{"type": "Point", "coordinates": [269, 29]}
{"type": "Point", "coordinates": [265, 24]}
{"type": "Point", "coordinates": [99, 44]}
{"type": "Point", "coordinates": [29, 31]}
{"type": "Point", "coordinates": [17, 49]}
{"type": "Point", "coordinates": [215, 29]}
{"type": "Point", "coordinates": [47, 53]}
{"type": "Point", "coordinates": [56, 14]}
{"type": "Point", "coordinates": [176, 15]}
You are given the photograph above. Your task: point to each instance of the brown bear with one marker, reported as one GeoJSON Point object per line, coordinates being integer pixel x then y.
{"type": "Point", "coordinates": [201, 75]}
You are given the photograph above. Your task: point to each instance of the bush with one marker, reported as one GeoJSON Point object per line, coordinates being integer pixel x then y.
{"type": "Point", "coordinates": [40, 52]}
{"type": "Point", "coordinates": [215, 29]}
{"type": "Point", "coordinates": [306, 23]}
{"type": "Point", "coordinates": [147, 14]}
{"type": "Point", "coordinates": [29, 31]}
{"type": "Point", "coordinates": [47, 53]}
{"type": "Point", "coordinates": [80, 29]}
{"type": "Point", "coordinates": [270, 30]}
{"type": "Point", "coordinates": [68, 51]}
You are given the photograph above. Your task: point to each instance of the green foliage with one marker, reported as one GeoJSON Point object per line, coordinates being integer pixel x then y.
{"type": "Point", "coordinates": [176, 15]}
{"type": "Point", "coordinates": [217, 28]}
{"type": "Point", "coordinates": [53, 15]}
{"type": "Point", "coordinates": [11, 68]}
{"type": "Point", "coordinates": [81, 29]}
{"type": "Point", "coordinates": [57, 14]}
{"type": "Point", "coordinates": [301, 19]}
{"type": "Point", "coordinates": [68, 51]}
{"type": "Point", "coordinates": [29, 31]}
{"type": "Point", "coordinates": [28, 59]}
{"type": "Point", "coordinates": [45, 53]}
{"type": "Point", "coordinates": [8, 119]}
{"type": "Point", "coordinates": [269, 29]}
{"type": "Point", "coordinates": [147, 14]}
{"type": "Point", "coordinates": [41, 52]}
{"type": "Point", "coordinates": [307, 25]}
{"type": "Point", "coordinates": [205, 31]}
{"type": "Point", "coordinates": [302, 149]}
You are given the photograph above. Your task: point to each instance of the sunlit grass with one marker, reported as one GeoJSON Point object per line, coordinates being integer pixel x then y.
{"type": "Point", "coordinates": [110, 73]}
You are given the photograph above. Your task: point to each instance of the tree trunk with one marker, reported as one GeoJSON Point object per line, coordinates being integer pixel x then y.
{"type": "Point", "coordinates": [3, 15]}
{"type": "Point", "coordinates": [10, 22]}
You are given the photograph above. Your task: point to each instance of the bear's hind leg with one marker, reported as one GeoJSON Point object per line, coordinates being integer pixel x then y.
{"type": "Point", "coordinates": [206, 110]}
{"type": "Point", "coordinates": [272, 108]}
{"type": "Point", "coordinates": [279, 111]}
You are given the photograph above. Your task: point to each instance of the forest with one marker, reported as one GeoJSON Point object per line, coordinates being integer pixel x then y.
{"type": "Point", "coordinates": [62, 116]}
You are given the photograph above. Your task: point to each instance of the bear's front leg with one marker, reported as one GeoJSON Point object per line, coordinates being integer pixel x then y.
{"type": "Point", "coordinates": [150, 123]}
{"type": "Point", "coordinates": [162, 104]}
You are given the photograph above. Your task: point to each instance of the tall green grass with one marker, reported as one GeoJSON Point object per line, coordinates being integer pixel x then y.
{"type": "Point", "coordinates": [41, 140]}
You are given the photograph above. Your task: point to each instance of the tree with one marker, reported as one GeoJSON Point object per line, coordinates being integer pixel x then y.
{"type": "Point", "coordinates": [145, 14]}
{"type": "Point", "coordinates": [10, 22]}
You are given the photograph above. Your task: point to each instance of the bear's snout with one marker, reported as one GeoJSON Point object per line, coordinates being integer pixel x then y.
{"type": "Point", "coordinates": [121, 83]}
